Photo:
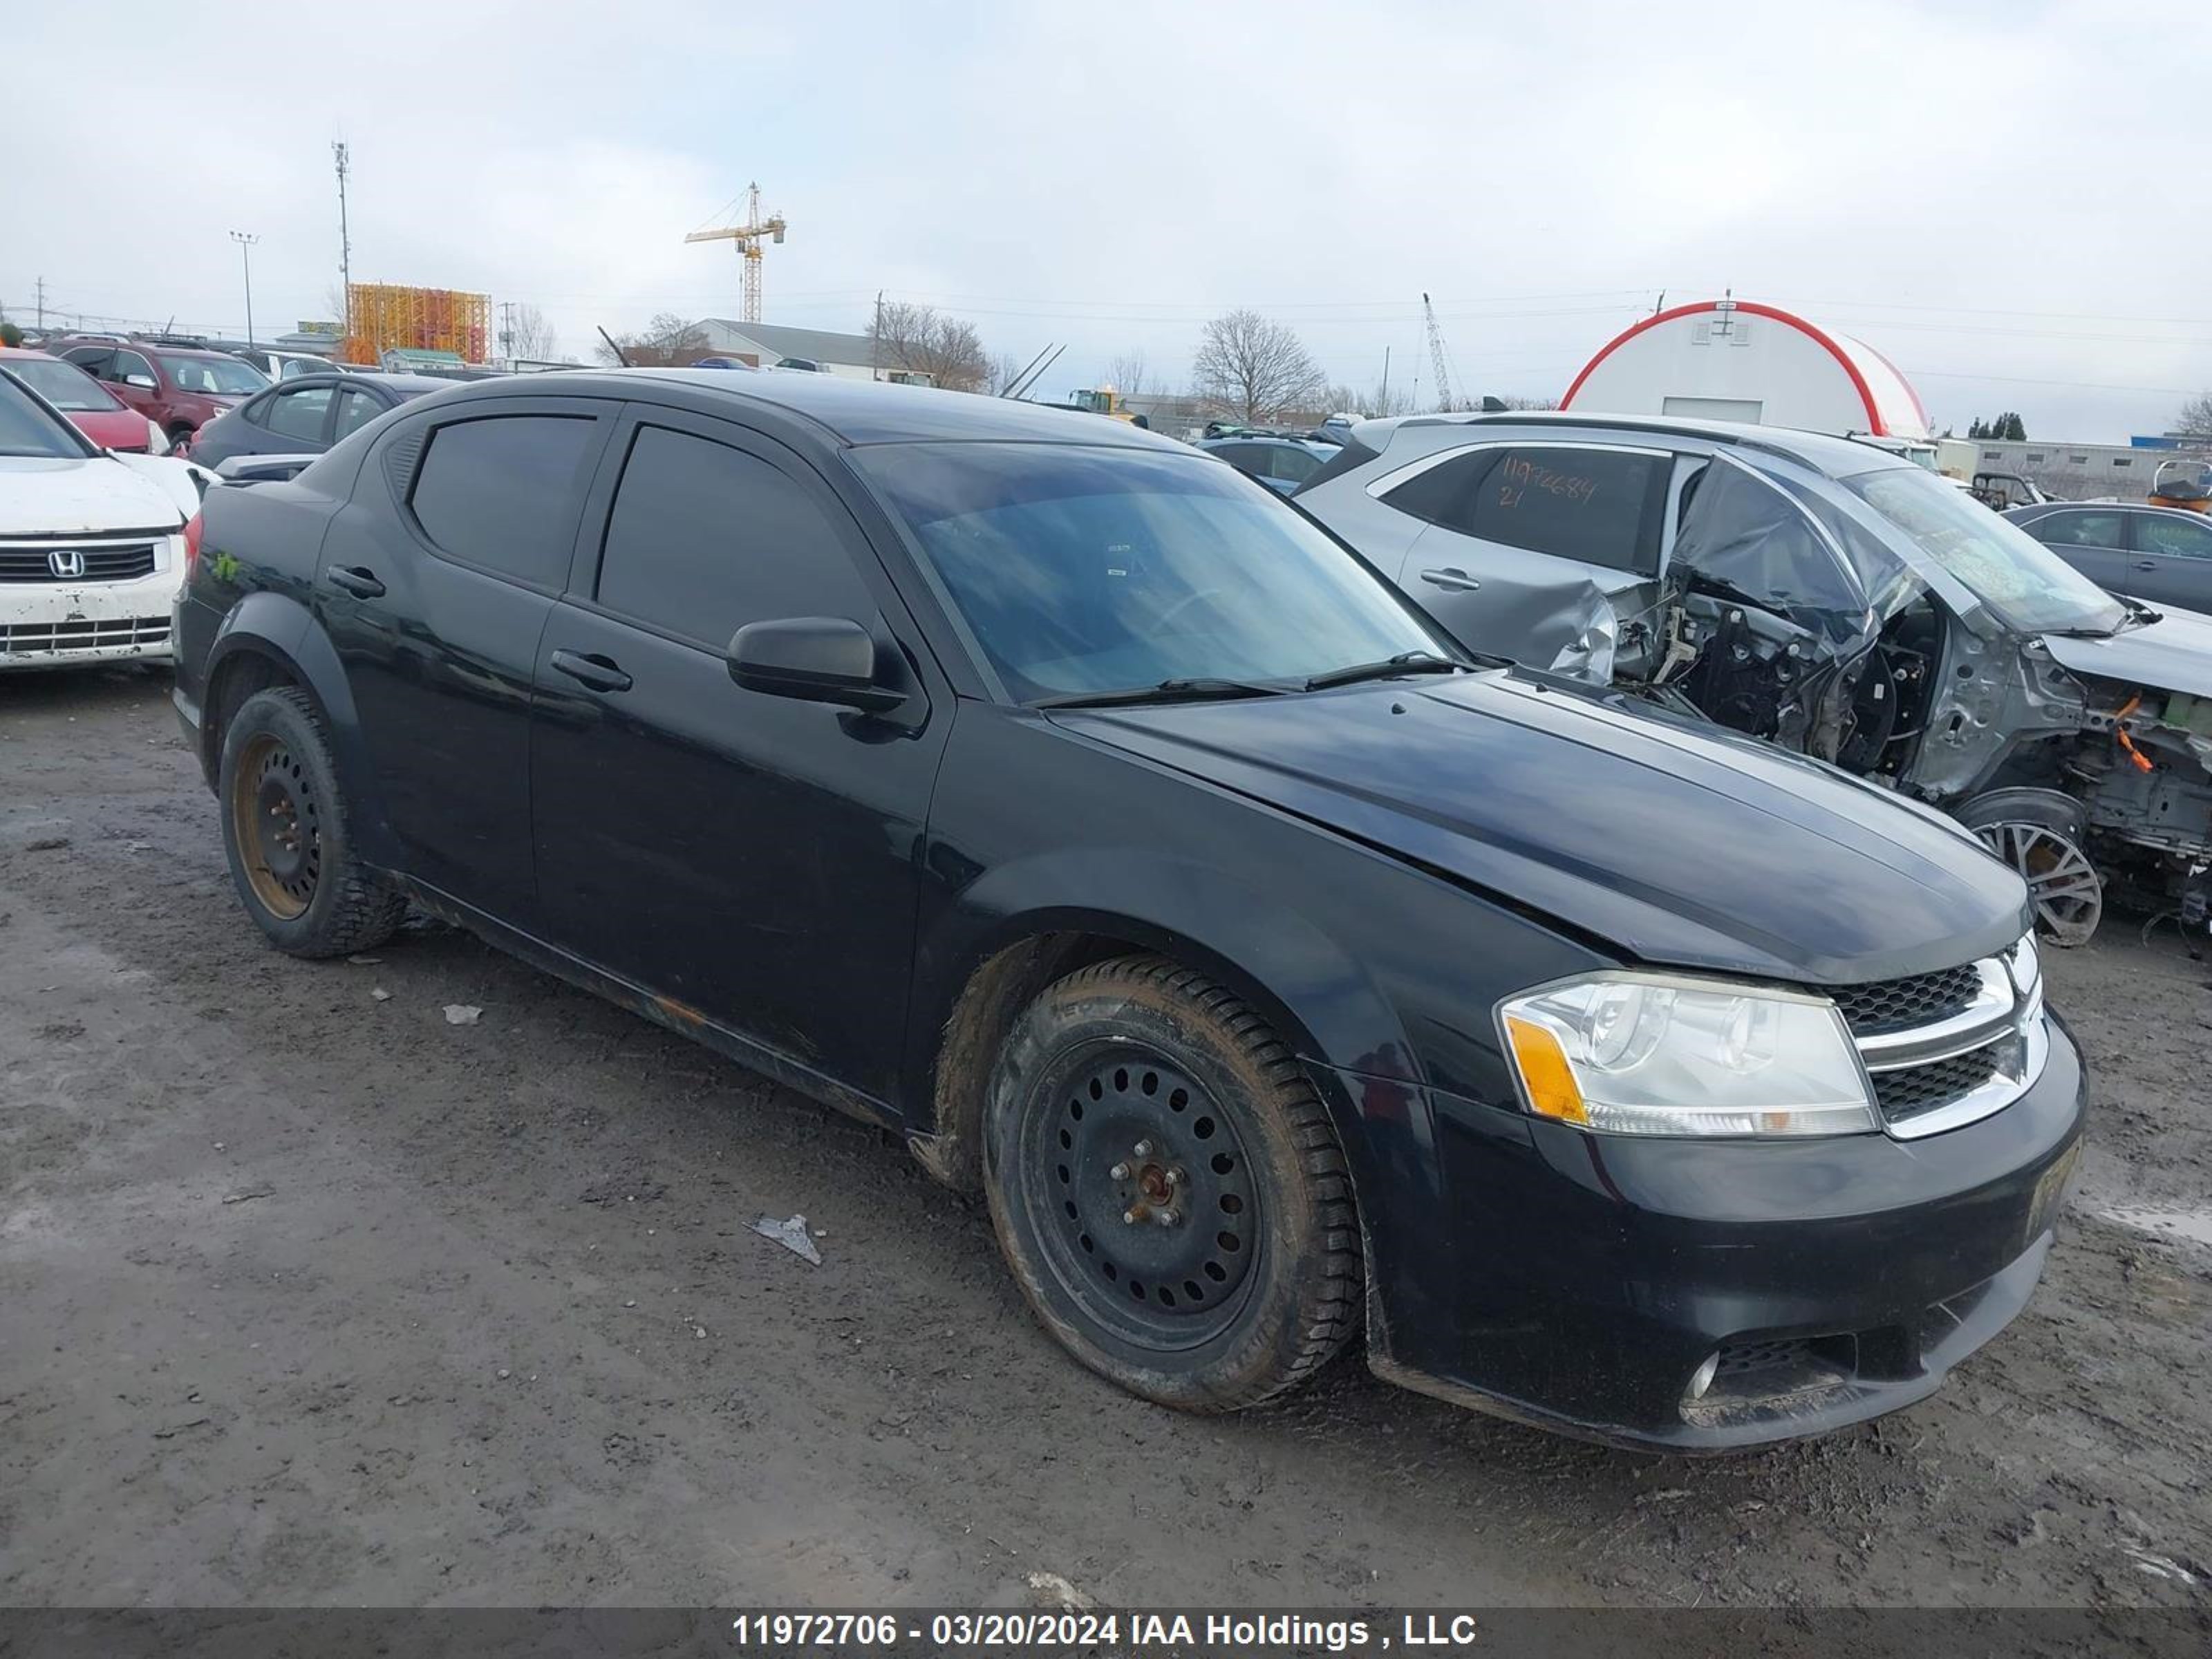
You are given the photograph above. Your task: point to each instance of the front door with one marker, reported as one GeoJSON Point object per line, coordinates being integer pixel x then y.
{"type": "Point", "coordinates": [2172, 563]}
{"type": "Point", "coordinates": [435, 595]}
{"type": "Point", "coordinates": [746, 856]}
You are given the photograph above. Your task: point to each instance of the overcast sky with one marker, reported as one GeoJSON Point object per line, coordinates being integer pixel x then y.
{"type": "Point", "coordinates": [2006, 199]}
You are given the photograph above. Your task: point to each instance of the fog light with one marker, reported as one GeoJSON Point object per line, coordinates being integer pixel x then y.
{"type": "Point", "coordinates": [1702, 1378]}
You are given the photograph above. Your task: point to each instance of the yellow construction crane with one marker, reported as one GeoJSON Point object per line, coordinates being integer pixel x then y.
{"type": "Point", "coordinates": [748, 236]}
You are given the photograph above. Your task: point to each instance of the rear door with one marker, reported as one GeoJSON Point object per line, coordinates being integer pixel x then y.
{"type": "Point", "coordinates": [2171, 562]}
{"type": "Point", "coordinates": [2094, 540]}
{"type": "Point", "coordinates": [749, 857]}
{"type": "Point", "coordinates": [1525, 546]}
{"type": "Point", "coordinates": [434, 584]}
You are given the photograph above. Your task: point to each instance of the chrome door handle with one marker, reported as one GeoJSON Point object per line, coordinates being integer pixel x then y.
{"type": "Point", "coordinates": [1451, 579]}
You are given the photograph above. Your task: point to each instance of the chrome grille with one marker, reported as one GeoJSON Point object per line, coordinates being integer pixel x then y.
{"type": "Point", "coordinates": [100, 562]}
{"type": "Point", "coordinates": [1903, 1095]}
{"type": "Point", "coordinates": [1891, 1004]}
{"type": "Point", "coordinates": [83, 636]}
{"type": "Point", "coordinates": [1946, 1048]}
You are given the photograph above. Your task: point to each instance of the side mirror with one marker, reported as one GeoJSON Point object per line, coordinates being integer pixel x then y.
{"type": "Point", "coordinates": [813, 658]}
{"type": "Point", "coordinates": [143, 382]}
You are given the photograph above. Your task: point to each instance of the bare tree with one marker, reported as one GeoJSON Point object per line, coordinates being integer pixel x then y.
{"type": "Point", "coordinates": [1127, 375]}
{"type": "Point", "coordinates": [529, 337]}
{"type": "Point", "coordinates": [1377, 400]}
{"type": "Point", "coordinates": [921, 340]}
{"type": "Point", "coordinates": [1254, 369]}
{"type": "Point", "coordinates": [1531, 402]}
{"type": "Point", "coordinates": [2196, 418]}
{"type": "Point", "coordinates": [667, 342]}
{"type": "Point", "coordinates": [1006, 369]}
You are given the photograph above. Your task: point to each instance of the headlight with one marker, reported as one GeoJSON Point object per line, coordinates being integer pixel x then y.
{"type": "Point", "coordinates": [1649, 1054]}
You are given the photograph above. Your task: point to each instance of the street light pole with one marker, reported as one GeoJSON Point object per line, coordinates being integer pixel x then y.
{"type": "Point", "coordinates": [246, 258]}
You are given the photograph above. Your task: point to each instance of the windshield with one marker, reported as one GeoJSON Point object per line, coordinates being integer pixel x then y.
{"type": "Point", "coordinates": [2028, 587]}
{"type": "Point", "coordinates": [1079, 570]}
{"type": "Point", "coordinates": [28, 428]}
{"type": "Point", "coordinates": [223, 376]}
{"type": "Point", "coordinates": [65, 385]}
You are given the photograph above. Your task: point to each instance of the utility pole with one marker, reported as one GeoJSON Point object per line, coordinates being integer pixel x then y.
{"type": "Point", "coordinates": [507, 330]}
{"type": "Point", "coordinates": [1383, 396]}
{"type": "Point", "coordinates": [246, 258]}
{"type": "Point", "coordinates": [344, 157]}
{"type": "Point", "coordinates": [876, 341]}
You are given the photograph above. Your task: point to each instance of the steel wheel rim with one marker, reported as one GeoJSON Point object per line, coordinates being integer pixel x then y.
{"type": "Point", "coordinates": [276, 824]}
{"type": "Point", "coordinates": [2068, 893]}
{"type": "Point", "coordinates": [1157, 1246]}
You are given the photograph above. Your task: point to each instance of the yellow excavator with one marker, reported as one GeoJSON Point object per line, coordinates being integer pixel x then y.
{"type": "Point", "coordinates": [2185, 481]}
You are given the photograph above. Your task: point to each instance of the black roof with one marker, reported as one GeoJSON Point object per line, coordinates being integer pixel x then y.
{"type": "Point", "coordinates": [854, 411]}
{"type": "Point", "coordinates": [415, 385]}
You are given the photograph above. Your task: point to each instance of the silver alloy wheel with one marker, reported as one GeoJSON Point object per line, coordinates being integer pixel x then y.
{"type": "Point", "coordinates": [2067, 892]}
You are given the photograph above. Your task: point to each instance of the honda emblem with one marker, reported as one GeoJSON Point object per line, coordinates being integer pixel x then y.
{"type": "Point", "coordinates": [65, 563]}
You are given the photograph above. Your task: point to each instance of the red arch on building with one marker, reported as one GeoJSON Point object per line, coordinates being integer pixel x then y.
{"type": "Point", "coordinates": [1819, 336]}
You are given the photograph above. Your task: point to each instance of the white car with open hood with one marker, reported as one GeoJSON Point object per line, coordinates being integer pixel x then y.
{"type": "Point", "coordinates": [92, 542]}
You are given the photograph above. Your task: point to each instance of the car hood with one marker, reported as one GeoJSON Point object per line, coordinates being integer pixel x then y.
{"type": "Point", "coordinates": [66, 496]}
{"type": "Point", "coordinates": [1674, 846]}
{"type": "Point", "coordinates": [112, 429]}
{"type": "Point", "coordinates": [2173, 653]}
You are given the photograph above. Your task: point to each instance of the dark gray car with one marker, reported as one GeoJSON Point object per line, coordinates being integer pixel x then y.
{"type": "Point", "coordinates": [306, 415]}
{"type": "Point", "coordinates": [2160, 554]}
{"type": "Point", "coordinates": [1825, 595]}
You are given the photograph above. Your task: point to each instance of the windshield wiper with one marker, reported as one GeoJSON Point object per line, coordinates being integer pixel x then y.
{"type": "Point", "coordinates": [1178, 691]}
{"type": "Point", "coordinates": [1405, 662]}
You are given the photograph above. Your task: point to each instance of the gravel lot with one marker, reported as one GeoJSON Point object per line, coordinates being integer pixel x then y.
{"type": "Point", "coordinates": [308, 1296]}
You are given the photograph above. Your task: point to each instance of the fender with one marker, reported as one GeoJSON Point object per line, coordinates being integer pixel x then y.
{"type": "Point", "coordinates": [278, 626]}
{"type": "Point", "coordinates": [1319, 998]}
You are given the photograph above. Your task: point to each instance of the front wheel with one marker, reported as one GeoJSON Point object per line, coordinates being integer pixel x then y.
{"type": "Point", "coordinates": [1167, 1188]}
{"type": "Point", "coordinates": [285, 829]}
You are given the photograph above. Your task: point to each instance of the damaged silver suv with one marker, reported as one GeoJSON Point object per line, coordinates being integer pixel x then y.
{"type": "Point", "coordinates": [1825, 595]}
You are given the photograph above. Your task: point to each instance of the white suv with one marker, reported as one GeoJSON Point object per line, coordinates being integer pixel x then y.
{"type": "Point", "coordinates": [92, 542]}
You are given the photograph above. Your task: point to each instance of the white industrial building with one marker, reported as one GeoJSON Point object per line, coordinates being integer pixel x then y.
{"type": "Point", "coordinates": [1731, 360]}
{"type": "Point", "coordinates": [766, 345]}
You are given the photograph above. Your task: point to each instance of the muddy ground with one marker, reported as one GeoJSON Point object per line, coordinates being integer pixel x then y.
{"type": "Point", "coordinates": [307, 1296]}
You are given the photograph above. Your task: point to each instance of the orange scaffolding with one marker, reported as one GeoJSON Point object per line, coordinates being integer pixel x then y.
{"type": "Point", "coordinates": [382, 316]}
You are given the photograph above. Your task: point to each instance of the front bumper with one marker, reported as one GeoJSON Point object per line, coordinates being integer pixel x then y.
{"type": "Point", "coordinates": [70, 624]}
{"type": "Point", "coordinates": [1837, 1278]}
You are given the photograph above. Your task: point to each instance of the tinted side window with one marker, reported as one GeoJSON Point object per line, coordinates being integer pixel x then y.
{"type": "Point", "coordinates": [93, 360]}
{"type": "Point", "coordinates": [1439, 493]}
{"type": "Point", "coordinates": [128, 363]}
{"type": "Point", "coordinates": [356, 409]}
{"type": "Point", "coordinates": [1291, 464]}
{"type": "Point", "coordinates": [1598, 506]}
{"type": "Point", "coordinates": [2157, 534]}
{"type": "Point", "coordinates": [299, 414]}
{"type": "Point", "coordinates": [705, 538]}
{"type": "Point", "coordinates": [501, 492]}
{"type": "Point", "coordinates": [2078, 529]}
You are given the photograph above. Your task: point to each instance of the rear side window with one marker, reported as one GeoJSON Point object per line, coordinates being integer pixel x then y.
{"type": "Point", "coordinates": [705, 538]}
{"type": "Point", "coordinates": [2078, 529]}
{"type": "Point", "coordinates": [1599, 506]}
{"type": "Point", "coordinates": [502, 493]}
{"type": "Point", "coordinates": [356, 409]}
{"type": "Point", "coordinates": [299, 414]}
{"type": "Point", "coordinates": [1291, 464]}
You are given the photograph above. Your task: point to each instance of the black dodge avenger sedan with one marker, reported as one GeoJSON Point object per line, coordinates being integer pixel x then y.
{"type": "Point", "coordinates": [1063, 800]}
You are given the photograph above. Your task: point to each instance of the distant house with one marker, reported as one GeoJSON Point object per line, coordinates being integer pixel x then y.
{"type": "Point", "coordinates": [764, 345]}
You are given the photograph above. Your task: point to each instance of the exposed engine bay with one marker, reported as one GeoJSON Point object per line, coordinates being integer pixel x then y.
{"type": "Point", "coordinates": [2084, 758]}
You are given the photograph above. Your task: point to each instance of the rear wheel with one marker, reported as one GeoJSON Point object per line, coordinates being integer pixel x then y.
{"type": "Point", "coordinates": [1168, 1189]}
{"type": "Point", "coordinates": [286, 832]}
